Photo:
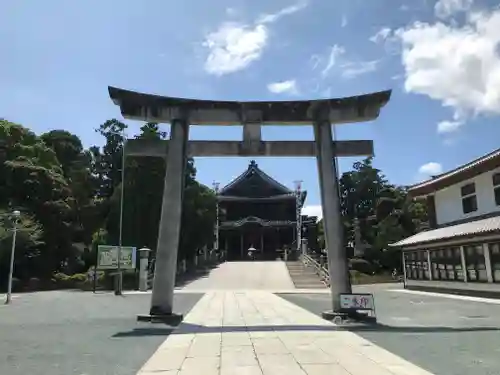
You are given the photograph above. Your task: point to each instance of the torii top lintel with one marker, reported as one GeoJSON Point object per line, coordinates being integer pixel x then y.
{"type": "Point", "coordinates": [155, 108]}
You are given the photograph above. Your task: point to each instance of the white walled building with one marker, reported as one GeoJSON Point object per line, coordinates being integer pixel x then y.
{"type": "Point", "coordinates": [461, 250]}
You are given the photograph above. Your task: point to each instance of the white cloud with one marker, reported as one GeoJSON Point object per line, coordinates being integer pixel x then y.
{"type": "Point", "coordinates": [356, 68]}
{"type": "Point", "coordinates": [344, 21]}
{"type": "Point", "coordinates": [458, 66]}
{"type": "Point", "coordinates": [234, 46]}
{"type": "Point", "coordinates": [388, 39]}
{"type": "Point", "coordinates": [289, 86]}
{"type": "Point", "coordinates": [447, 8]}
{"type": "Point", "coordinates": [335, 52]}
{"type": "Point", "coordinates": [313, 210]}
{"type": "Point", "coordinates": [381, 35]}
{"type": "Point", "coordinates": [448, 126]}
{"type": "Point", "coordinates": [345, 67]}
{"type": "Point", "coordinates": [273, 17]}
{"type": "Point", "coordinates": [431, 169]}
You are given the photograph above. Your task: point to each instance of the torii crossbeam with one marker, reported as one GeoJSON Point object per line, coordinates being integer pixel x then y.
{"type": "Point", "coordinates": [181, 113]}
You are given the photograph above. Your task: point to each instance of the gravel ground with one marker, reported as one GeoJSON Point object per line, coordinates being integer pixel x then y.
{"type": "Point", "coordinates": [66, 333]}
{"type": "Point", "coordinates": [442, 335]}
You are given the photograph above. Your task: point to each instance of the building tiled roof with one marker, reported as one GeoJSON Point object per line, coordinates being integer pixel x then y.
{"type": "Point", "coordinates": [477, 227]}
{"type": "Point", "coordinates": [254, 168]}
{"type": "Point", "coordinates": [459, 174]}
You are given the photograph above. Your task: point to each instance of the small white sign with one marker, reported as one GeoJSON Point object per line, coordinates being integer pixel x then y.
{"type": "Point", "coordinates": [357, 301]}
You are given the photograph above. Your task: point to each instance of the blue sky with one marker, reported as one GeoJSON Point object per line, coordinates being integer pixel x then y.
{"type": "Point", "coordinates": [441, 58]}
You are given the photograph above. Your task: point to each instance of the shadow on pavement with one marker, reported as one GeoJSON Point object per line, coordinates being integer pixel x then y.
{"type": "Point", "coordinates": [190, 276]}
{"type": "Point", "coordinates": [186, 328]}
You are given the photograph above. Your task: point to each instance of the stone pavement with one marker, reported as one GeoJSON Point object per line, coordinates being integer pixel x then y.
{"type": "Point", "coordinates": [257, 332]}
{"type": "Point", "coordinates": [255, 275]}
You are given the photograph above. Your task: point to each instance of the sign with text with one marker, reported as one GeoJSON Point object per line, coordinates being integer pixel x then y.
{"type": "Point", "coordinates": [107, 257]}
{"type": "Point", "coordinates": [357, 301]}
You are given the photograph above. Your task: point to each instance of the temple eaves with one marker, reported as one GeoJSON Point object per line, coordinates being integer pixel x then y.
{"type": "Point", "coordinates": [155, 108]}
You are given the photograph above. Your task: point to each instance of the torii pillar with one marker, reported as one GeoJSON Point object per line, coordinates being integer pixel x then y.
{"type": "Point", "coordinates": [181, 113]}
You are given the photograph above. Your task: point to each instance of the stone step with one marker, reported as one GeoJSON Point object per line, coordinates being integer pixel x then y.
{"type": "Point", "coordinates": [304, 277]}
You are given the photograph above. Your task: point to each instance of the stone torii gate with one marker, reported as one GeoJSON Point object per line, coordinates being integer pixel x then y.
{"type": "Point", "coordinates": [181, 113]}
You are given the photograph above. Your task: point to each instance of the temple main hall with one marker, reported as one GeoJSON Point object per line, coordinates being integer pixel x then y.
{"type": "Point", "coordinates": [257, 211]}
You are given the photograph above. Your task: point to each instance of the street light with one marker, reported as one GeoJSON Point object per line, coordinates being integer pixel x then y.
{"type": "Point", "coordinates": [15, 216]}
{"type": "Point", "coordinates": [118, 286]}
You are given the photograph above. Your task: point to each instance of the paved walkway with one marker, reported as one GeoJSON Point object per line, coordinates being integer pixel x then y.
{"type": "Point", "coordinates": [257, 332]}
{"type": "Point", "coordinates": [245, 275]}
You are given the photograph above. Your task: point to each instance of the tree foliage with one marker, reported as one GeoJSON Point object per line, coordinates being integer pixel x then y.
{"type": "Point", "coordinates": [69, 197]}
{"type": "Point", "coordinates": [385, 212]}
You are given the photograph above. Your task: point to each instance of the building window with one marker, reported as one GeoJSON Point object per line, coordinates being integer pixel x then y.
{"type": "Point", "coordinates": [447, 264]}
{"type": "Point", "coordinates": [495, 261]}
{"type": "Point", "coordinates": [435, 266]}
{"type": "Point", "coordinates": [474, 260]}
{"type": "Point", "coordinates": [416, 265]}
{"type": "Point", "coordinates": [469, 199]}
{"type": "Point", "coordinates": [496, 188]}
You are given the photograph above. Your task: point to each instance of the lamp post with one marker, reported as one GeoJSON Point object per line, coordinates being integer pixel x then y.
{"type": "Point", "coordinates": [298, 213]}
{"type": "Point", "coordinates": [119, 281]}
{"type": "Point", "coordinates": [15, 216]}
{"type": "Point", "coordinates": [216, 190]}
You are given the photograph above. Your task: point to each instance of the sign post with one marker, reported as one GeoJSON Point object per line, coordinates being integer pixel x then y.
{"type": "Point", "coordinates": [360, 305]}
{"type": "Point", "coordinates": [107, 257]}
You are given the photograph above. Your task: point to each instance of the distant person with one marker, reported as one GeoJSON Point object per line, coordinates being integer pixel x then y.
{"type": "Point", "coordinates": [251, 252]}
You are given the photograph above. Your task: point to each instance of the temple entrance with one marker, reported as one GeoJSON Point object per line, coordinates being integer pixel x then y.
{"type": "Point", "coordinates": [180, 113]}
{"type": "Point", "coordinates": [254, 210]}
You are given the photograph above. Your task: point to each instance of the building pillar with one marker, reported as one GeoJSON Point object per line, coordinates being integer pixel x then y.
{"type": "Point", "coordinates": [403, 260]}
{"type": "Point", "coordinates": [170, 221]}
{"type": "Point", "coordinates": [143, 268]}
{"type": "Point", "coordinates": [487, 262]}
{"type": "Point", "coordinates": [464, 263]}
{"type": "Point", "coordinates": [330, 202]}
{"type": "Point", "coordinates": [262, 241]}
{"type": "Point", "coordinates": [241, 244]}
{"type": "Point", "coordinates": [429, 265]}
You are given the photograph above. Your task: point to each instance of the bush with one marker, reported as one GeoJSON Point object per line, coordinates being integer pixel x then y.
{"type": "Point", "coordinates": [60, 276]}
{"type": "Point", "coordinates": [361, 265]}
{"type": "Point", "coordinates": [78, 278]}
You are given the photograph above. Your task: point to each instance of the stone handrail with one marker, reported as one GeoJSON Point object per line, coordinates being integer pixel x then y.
{"type": "Point", "coordinates": [319, 268]}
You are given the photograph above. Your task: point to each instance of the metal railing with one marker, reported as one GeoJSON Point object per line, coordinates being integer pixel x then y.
{"type": "Point", "coordinates": [319, 266]}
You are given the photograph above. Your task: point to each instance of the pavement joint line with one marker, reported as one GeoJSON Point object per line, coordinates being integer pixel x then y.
{"type": "Point", "coordinates": [291, 340]}
{"type": "Point", "coordinates": [446, 295]}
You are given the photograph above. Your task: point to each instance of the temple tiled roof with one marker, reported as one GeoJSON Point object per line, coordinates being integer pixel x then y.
{"type": "Point", "coordinates": [253, 168]}
{"type": "Point", "coordinates": [473, 228]}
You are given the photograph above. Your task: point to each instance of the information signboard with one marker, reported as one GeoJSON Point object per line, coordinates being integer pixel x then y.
{"type": "Point", "coordinates": [107, 257]}
{"type": "Point", "coordinates": [357, 302]}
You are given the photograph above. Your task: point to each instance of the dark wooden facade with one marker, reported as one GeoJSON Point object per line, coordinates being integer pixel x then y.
{"type": "Point", "coordinates": [257, 211]}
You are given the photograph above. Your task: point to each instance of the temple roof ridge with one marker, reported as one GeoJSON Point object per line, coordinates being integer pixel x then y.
{"type": "Point", "coordinates": [254, 168]}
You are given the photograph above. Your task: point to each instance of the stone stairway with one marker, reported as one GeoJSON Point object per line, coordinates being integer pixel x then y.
{"type": "Point", "coordinates": [304, 277]}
